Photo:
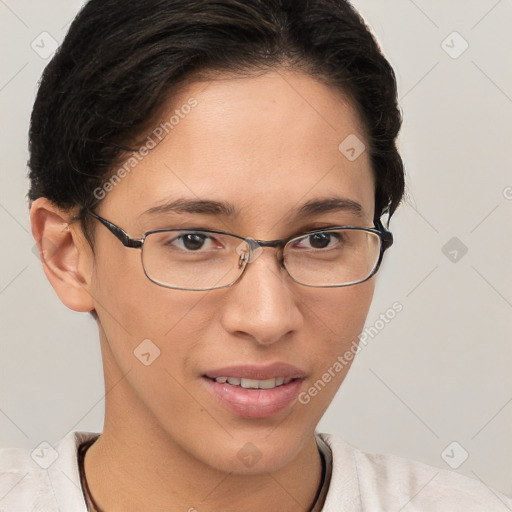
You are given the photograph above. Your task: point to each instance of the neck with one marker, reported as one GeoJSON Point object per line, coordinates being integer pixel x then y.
{"type": "Point", "coordinates": [119, 481]}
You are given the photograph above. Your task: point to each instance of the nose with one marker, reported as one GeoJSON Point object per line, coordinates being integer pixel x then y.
{"type": "Point", "coordinates": [263, 305]}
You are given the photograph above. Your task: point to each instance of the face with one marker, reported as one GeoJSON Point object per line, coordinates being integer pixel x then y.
{"type": "Point", "coordinates": [265, 144]}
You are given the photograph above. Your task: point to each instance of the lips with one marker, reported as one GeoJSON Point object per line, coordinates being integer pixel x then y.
{"type": "Point", "coordinates": [255, 391]}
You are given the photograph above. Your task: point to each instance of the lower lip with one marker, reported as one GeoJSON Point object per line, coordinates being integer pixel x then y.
{"type": "Point", "coordinates": [255, 403]}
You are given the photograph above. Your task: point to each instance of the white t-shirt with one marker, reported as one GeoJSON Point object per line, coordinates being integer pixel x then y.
{"type": "Point", "coordinates": [47, 480]}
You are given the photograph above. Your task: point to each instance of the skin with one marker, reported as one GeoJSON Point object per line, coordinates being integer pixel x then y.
{"type": "Point", "coordinates": [266, 143]}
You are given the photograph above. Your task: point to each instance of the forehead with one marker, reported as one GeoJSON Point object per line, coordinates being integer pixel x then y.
{"type": "Point", "coordinates": [265, 144]}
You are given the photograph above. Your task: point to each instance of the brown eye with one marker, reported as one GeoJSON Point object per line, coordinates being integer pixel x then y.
{"type": "Point", "coordinates": [193, 241]}
{"type": "Point", "coordinates": [189, 242]}
{"type": "Point", "coordinates": [320, 240]}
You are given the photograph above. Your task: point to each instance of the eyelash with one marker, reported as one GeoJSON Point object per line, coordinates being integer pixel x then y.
{"type": "Point", "coordinates": [313, 226]}
{"type": "Point", "coordinates": [321, 227]}
{"type": "Point", "coordinates": [297, 232]}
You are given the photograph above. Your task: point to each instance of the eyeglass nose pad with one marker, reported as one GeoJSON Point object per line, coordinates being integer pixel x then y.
{"type": "Point", "coordinates": [241, 260]}
{"type": "Point", "coordinates": [243, 251]}
{"type": "Point", "coordinates": [248, 251]}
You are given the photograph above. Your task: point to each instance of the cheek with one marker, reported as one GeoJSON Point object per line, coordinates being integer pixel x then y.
{"type": "Point", "coordinates": [132, 308]}
{"type": "Point", "coordinates": [343, 311]}
{"type": "Point", "coordinates": [152, 333]}
{"type": "Point", "coordinates": [337, 321]}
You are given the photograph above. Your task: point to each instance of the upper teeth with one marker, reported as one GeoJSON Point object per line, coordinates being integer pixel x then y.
{"type": "Point", "coordinates": [253, 383]}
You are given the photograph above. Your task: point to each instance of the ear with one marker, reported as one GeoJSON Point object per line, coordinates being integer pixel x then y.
{"type": "Point", "coordinates": [66, 256]}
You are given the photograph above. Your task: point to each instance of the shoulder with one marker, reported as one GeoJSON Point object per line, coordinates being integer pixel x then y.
{"type": "Point", "coordinates": [43, 479]}
{"type": "Point", "coordinates": [379, 482]}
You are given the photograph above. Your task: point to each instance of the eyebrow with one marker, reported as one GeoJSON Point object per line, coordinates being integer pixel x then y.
{"type": "Point", "coordinates": [198, 206]}
{"type": "Point", "coordinates": [333, 204]}
{"type": "Point", "coordinates": [226, 209]}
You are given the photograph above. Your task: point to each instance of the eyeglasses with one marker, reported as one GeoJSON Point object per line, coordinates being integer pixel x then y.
{"type": "Point", "coordinates": [207, 259]}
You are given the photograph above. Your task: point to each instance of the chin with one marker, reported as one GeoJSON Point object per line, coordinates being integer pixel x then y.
{"type": "Point", "coordinates": [253, 453]}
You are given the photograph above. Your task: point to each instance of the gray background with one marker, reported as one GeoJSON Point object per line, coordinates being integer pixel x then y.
{"type": "Point", "coordinates": [439, 372]}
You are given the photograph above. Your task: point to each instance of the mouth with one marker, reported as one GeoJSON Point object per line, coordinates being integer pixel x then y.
{"type": "Point", "coordinates": [255, 392]}
{"type": "Point", "coordinates": [253, 383]}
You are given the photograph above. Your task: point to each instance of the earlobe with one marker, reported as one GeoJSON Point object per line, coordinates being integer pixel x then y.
{"type": "Point", "coordinates": [64, 254]}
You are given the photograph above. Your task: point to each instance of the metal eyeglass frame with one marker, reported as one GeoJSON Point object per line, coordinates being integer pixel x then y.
{"type": "Point", "coordinates": [137, 243]}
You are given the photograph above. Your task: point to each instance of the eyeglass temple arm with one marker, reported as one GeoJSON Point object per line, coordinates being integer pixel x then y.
{"type": "Point", "coordinates": [387, 236]}
{"type": "Point", "coordinates": [122, 235]}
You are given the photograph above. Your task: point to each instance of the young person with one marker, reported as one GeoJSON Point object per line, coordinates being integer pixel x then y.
{"type": "Point", "coordinates": [208, 181]}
